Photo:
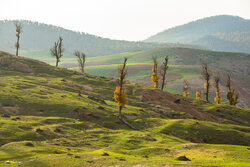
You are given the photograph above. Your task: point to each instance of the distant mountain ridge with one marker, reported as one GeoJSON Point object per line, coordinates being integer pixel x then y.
{"type": "Point", "coordinates": [220, 33]}
{"type": "Point", "coordinates": [40, 37]}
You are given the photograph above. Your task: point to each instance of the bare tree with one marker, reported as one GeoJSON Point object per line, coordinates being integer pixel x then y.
{"type": "Point", "coordinates": [81, 60]}
{"type": "Point", "coordinates": [57, 50]}
{"type": "Point", "coordinates": [163, 70]}
{"type": "Point", "coordinates": [206, 73]}
{"type": "Point", "coordinates": [19, 27]}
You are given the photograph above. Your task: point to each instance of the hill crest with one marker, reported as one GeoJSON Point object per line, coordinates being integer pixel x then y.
{"type": "Point", "coordinates": [221, 27]}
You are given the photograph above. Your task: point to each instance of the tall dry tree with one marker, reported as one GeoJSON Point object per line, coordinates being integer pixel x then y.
{"type": "Point", "coordinates": [154, 76]}
{"type": "Point", "coordinates": [218, 97]}
{"type": "Point", "coordinates": [81, 58]}
{"type": "Point", "coordinates": [232, 96]}
{"type": "Point", "coordinates": [19, 27]}
{"type": "Point", "coordinates": [57, 50]}
{"type": "Point", "coordinates": [120, 94]}
{"type": "Point", "coordinates": [206, 73]}
{"type": "Point", "coordinates": [163, 71]}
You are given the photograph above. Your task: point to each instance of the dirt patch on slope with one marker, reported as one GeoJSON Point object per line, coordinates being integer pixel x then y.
{"type": "Point", "coordinates": [12, 110]}
{"type": "Point", "coordinates": [17, 66]}
{"type": "Point", "coordinates": [174, 102]}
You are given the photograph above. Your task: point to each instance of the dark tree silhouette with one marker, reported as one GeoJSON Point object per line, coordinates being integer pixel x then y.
{"type": "Point", "coordinates": [163, 71]}
{"type": "Point", "coordinates": [206, 73]}
{"type": "Point", "coordinates": [57, 50]}
{"type": "Point", "coordinates": [18, 32]}
{"type": "Point", "coordinates": [81, 58]}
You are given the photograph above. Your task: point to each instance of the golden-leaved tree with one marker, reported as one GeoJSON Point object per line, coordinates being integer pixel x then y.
{"type": "Point", "coordinates": [232, 96]}
{"type": "Point", "coordinates": [185, 88]}
{"type": "Point", "coordinates": [154, 76]}
{"type": "Point", "coordinates": [218, 97]}
{"type": "Point", "coordinates": [206, 73]}
{"type": "Point", "coordinates": [198, 94]}
{"type": "Point", "coordinates": [120, 93]}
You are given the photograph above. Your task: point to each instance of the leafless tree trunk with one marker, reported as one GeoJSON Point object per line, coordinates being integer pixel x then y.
{"type": "Point", "coordinates": [18, 32]}
{"type": "Point", "coordinates": [57, 50]}
{"type": "Point", "coordinates": [163, 72]}
{"type": "Point", "coordinates": [81, 60]}
{"type": "Point", "coordinates": [206, 75]}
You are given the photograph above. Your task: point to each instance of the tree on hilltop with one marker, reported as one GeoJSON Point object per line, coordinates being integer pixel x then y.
{"type": "Point", "coordinates": [19, 27]}
{"type": "Point", "coordinates": [57, 50]}
{"type": "Point", "coordinates": [81, 58]}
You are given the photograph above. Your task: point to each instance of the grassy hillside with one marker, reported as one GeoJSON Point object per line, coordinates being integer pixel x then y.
{"type": "Point", "coordinates": [185, 63]}
{"type": "Point", "coordinates": [44, 122]}
{"type": "Point", "coordinates": [220, 33]}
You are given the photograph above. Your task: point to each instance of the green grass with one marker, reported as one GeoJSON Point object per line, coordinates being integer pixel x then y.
{"type": "Point", "coordinates": [45, 123]}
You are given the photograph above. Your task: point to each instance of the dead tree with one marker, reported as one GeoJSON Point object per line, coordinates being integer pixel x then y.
{"type": "Point", "coordinates": [18, 26]}
{"type": "Point", "coordinates": [206, 73]}
{"type": "Point", "coordinates": [81, 57]}
{"type": "Point", "coordinates": [163, 71]}
{"type": "Point", "coordinates": [57, 50]}
{"type": "Point", "coordinates": [120, 94]}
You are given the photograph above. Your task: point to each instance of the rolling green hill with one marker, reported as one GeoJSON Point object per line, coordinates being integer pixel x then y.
{"type": "Point", "coordinates": [44, 122]}
{"type": "Point", "coordinates": [220, 33]}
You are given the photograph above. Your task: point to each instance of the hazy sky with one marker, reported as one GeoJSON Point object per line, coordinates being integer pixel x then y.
{"type": "Point", "coordinates": [120, 19]}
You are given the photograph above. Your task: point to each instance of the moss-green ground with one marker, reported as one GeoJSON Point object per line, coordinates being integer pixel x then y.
{"type": "Point", "coordinates": [45, 123]}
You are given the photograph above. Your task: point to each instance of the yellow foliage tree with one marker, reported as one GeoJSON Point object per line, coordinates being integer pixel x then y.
{"type": "Point", "coordinates": [206, 73]}
{"type": "Point", "coordinates": [198, 95]}
{"type": "Point", "coordinates": [232, 96]}
{"type": "Point", "coordinates": [154, 76]}
{"type": "Point", "coordinates": [185, 88]}
{"type": "Point", "coordinates": [120, 94]}
{"type": "Point", "coordinates": [217, 98]}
